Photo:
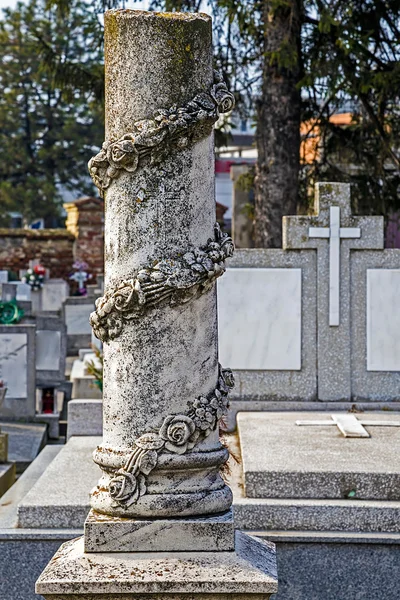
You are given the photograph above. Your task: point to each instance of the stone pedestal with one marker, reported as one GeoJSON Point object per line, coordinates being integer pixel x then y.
{"type": "Point", "coordinates": [161, 524]}
{"type": "Point", "coordinates": [248, 572]}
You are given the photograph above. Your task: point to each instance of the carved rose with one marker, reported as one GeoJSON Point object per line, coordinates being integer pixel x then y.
{"type": "Point", "coordinates": [176, 125]}
{"type": "Point", "coordinates": [177, 430]}
{"type": "Point", "coordinates": [175, 280]}
{"type": "Point", "coordinates": [228, 377]}
{"type": "Point", "coordinates": [123, 154]}
{"type": "Point", "coordinates": [221, 95]}
{"type": "Point", "coordinates": [126, 488]}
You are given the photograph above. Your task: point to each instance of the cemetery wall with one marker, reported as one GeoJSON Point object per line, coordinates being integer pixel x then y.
{"type": "Point", "coordinates": [85, 220]}
{"type": "Point", "coordinates": [53, 247]}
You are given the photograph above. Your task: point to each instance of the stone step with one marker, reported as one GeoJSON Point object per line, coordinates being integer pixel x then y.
{"type": "Point", "coordinates": [368, 516]}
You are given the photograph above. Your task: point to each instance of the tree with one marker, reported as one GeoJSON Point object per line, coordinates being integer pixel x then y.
{"type": "Point", "coordinates": [298, 61]}
{"type": "Point", "coordinates": [278, 110]}
{"type": "Point", "coordinates": [47, 132]}
{"type": "Point", "coordinates": [351, 53]}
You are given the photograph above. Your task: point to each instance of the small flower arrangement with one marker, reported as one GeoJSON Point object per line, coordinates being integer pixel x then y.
{"type": "Point", "coordinates": [96, 370]}
{"type": "Point", "coordinates": [35, 277]}
{"type": "Point", "coordinates": [81, 276]}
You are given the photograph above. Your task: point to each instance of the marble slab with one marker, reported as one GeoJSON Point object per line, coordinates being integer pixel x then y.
{"type": "Point", "coordinates": [383, 320]}
{"type": "Point", "coordinates": [13, 363]}
{"type": "Point", "coordinates": [3, 276]}
{"type": "Point", "coordinates": [24, 290]}
{"type": "Point", "coordinates": [259, 315]}
{"type": "Point", "coordinates": [77, 318]}
{"type": "Point", "coordinates": [48, 350]}
{"type": "Point", "coordinates": [286, 461]}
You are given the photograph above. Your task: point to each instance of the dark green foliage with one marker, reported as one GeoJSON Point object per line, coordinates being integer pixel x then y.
{"type": "Point", "coordinates": [50, 64]}
{"type": "Point", "coordinates": [350, 53]}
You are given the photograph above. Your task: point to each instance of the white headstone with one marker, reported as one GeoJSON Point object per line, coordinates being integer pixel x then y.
{"type": "Point", "coordinates": [13, 363]}
{"type": "Point", "coordinates": [77, 318]}
{"type": "Point", "coordinates": [3, 276]}
{"type": "Point", "coordinates": [383, 320]}
{"type": "Point", "coordinates": [54, 293]}
{"type": "Point", "coordinates": [24, 291]}
{"type": "Point", "coordinates": [48, 350]}
{"type": "Point", "coordinates": [259, 317]}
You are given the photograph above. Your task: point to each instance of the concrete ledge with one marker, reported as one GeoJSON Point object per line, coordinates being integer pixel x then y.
{"type": "Point", "coordinates": [317, 515]}
{"type": "Point", "coordinates": [60, 498]}
{"type": "Point", "coordinates": [9, 502]}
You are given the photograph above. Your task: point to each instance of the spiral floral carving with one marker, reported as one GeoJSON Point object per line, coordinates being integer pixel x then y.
{"type": "Point", "coordinates": [171, 281]}
{"type": "Point", "coordinates": [177, 435]}
{"type": "Point", "coordinates": [154, 138]}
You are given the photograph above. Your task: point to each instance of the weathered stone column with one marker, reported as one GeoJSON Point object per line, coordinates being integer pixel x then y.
{"type": "Point", "coordinates": [164, 391]}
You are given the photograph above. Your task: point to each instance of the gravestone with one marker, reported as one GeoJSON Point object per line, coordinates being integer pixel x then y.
{"type": "Point", "coordinates": [17, 369]}
{"type": "Point", "coordinates": [51, 349]}
{"type": "Point", "coordinates": [83, 383]}
{"type": "Point", "coordinates": [77, 311]}
{"type": "Point", "coordinates": [326, 490]}
{"type": "Point", "coordinates": [3, 277]}
{"type": "Point", "coordinates": [163, 399]}
{"type": "Point", "coordinates": [333, 336]}
{"type": "Point", "coordinates": [54, 292]}
{"type": "Point", "coordinates": [8, 292]}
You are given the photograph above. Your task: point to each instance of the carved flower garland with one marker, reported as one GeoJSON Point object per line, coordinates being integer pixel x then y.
{"type": "Point", "coordinates": [153, 138]}
{"type": "Point", "coordinates": [177, 435]}
{"type": "Point", "coordinates": [175, 281]}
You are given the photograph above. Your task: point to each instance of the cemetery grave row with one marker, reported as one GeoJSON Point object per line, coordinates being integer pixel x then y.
{"type": "Point", "coordinates": [317, 321]}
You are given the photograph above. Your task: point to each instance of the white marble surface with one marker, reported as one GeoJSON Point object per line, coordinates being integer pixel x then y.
{"type": "Point", "coordinates": [383, 320]}
{"type": "Point", "coordinates": [77, 318]}
{"type": "Point", "coordinates": [13, 363]}
{"type": "Point", "coordinates": [54, 293]}
{"type": "Point", "coordinates": [24, 290]}
{"type": "Point", "coordinates": [48, 350]}
{"type": "Point", "coordinates": [259, 314]}
{"type": "Point", "coordinates": [3, 276]}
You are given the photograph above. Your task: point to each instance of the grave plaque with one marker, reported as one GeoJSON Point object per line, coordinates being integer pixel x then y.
{"type": "Point", "coordinates": [51, 348]}
{"type": "Point", "coordinates": [17, 368]}
{"type": "Point", "coordinates": [261, 310]}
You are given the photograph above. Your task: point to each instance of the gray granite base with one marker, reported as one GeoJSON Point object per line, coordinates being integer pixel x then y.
{"type": "Point", "coordinates": [336, 569]}
{"type": "Point", "coordinates": [197, 534]}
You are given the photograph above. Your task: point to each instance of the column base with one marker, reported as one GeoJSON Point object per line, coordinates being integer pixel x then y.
{"type": "Point", "coordinates": [191, 534]}
{"type": "Point", "coordinates": [249, 571]}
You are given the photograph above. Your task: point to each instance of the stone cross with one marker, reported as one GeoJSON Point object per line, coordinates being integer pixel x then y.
{"type": "Point", "coordinates": [350, 426]}
{"type": "Point", "coordinates": [164, 393]}
{"type": "Point", "coordinates": [80, 277]}
{"type": "Point", "coordinates": [333, 232]}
